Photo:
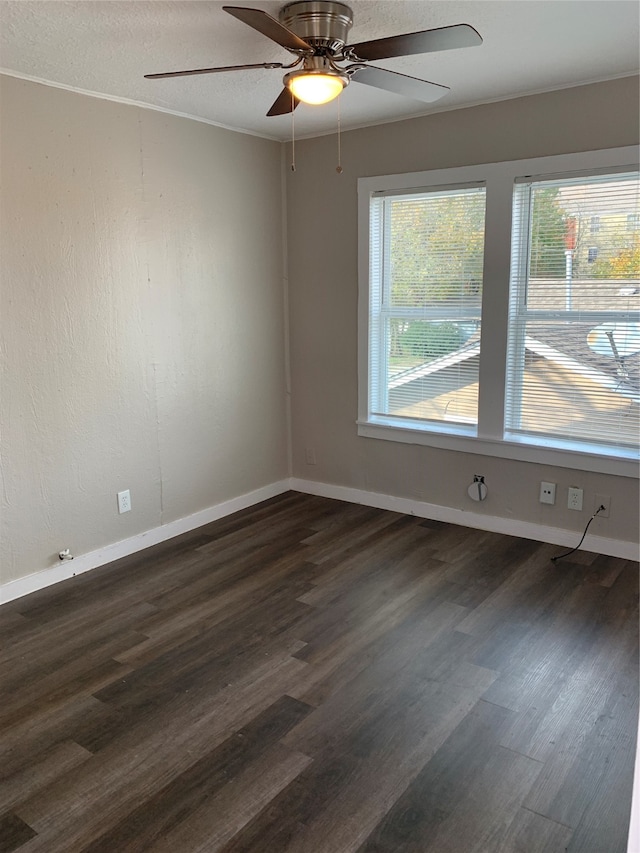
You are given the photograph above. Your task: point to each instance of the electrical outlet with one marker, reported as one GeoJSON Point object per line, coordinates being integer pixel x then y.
{"type": "Point", "coordinates": [547, 493]}
{"type": "Point", "coordinates": [574, 499]}
{"type": "Point", "coordinates": [602, 500]}
{"type": "Point", "coordinates": [124, 501]}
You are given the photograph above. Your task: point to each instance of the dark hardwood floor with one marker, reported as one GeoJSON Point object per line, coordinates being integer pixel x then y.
{"type": "Point", "coordinates": [311, 676]}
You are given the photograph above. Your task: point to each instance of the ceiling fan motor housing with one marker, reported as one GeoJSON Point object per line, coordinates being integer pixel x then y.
{"type": "Point", "coordinates": [324, 24]}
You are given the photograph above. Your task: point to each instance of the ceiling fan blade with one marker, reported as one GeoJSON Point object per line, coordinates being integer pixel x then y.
{"type": "Point", "coordinates": [426, 41]}
{"type": "Point", "coordinates": [269, 27]}
{"type": "Point", "coordinates": [213, 70]}
{"type": "Point", "coordinates": [401, 84]}
{"type": "Point", "coordinates": [283, 104]}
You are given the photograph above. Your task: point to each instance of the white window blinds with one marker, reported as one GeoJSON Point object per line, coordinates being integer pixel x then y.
{"type": "Point", "coordinates": [426, 261]}
{"type": "Point", "coordinates": [574, 325]}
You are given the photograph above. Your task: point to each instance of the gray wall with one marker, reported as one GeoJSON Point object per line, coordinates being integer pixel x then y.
{"type": "Point", "coordinates": [322, 239]}
{"type": "Point", "coordinates": [142, 320]}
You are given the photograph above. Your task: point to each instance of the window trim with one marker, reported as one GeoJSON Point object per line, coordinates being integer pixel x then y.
{"type": "Point", "coordinates": [491, 438]}
{"type": "Point", "coordinates": [385, 309]}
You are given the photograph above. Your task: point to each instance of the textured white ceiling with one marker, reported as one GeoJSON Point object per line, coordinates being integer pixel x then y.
{"type": "Point", "coordinates": [107, 47]}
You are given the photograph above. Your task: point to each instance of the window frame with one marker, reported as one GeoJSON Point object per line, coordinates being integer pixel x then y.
{"type": "Point", "coordinates": [387, 311]}
{"type": "Point", "coordinates": [489, 438]}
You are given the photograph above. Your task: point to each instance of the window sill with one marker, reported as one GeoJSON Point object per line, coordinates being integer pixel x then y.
{"type": "Point", "coordinates": [523, 449]}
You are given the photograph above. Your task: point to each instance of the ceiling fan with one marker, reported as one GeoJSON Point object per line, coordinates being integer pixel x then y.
{"type": "Point", "coordinates": [316, 32]}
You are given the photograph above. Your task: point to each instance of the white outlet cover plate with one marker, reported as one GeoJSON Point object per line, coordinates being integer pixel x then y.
{"type": "Point", "coordinates": [547, 493]}
{"type": "Point", "coordinates": [574, 499]}
{"type": "Point", "coordinates": [124, 501]}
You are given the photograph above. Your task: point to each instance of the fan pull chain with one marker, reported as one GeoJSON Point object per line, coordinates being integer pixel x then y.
{"type": "Point", "coordinates": [293, 133]}
{"type": "Point", "coordinates": [339, 166]}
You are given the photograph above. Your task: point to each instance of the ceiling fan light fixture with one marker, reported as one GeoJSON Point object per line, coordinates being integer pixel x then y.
{"type": "Point", "coordinates": [316, 86]}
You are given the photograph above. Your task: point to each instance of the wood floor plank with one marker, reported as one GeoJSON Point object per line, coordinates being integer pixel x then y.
{"type": "Point", "coordinates": [30, 738]}
{"type": "Point", "coordinates": [54, 667]}
{"type": "Point", "coordinates": [234, 806]}
{"type": "Point", "coordinates": [313, 676]}
{"type": "Point", "coordinates": [329, 545]}
{"type": "Point", "coordinates": [50, 766]}
{"type": "Point", "coordinates": [183, 620]}
{"type": "Point", "coordinates": [385, 766]}
{"type": "Point", "coordinates": [160, 815]}
{"type": "Point", "coordinates": [461, 790]}
{"type": "Point", "coordinates": [30, 649]}
{"type": "Point", "coordinates": [491, 562]}
{"type": "Point", "coordinates": [350, 561]}
{"type": "Point", "coordinates": [13, 833]}
{"type": "Point", "coordinates": [531, 833]}
{"type": "Point", "coordinates": [365, 754]}
{"type": "Point", "coordinates": [340, 655]}
{"type": "Point", "coordinates": [600, 735]}
{"type": "Point", "coordinates": [537, 672]}
{"type": "Point", "coordinates": [610, 768]}
{"type": "Point", "coordinates": [606, 570]}
{"type": "Point", "coordinates": [527, 592]}
{"type": "Point", "coordinates": [12, 624]}
{"type": "Point", "coordinates": [147, 760]}
{"type": "Point", "coordinates": [410, 576]}
{"type": "Point", "coordinates": [411, 655]}
{"type": "Point", "coordinates": [79, 679]}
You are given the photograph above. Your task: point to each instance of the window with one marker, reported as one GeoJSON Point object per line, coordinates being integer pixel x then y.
{"type": "Point", "coordinates": [574, 327]}
{"type": "Point", "coordinates": [427, 252]}
{"type": "Point", "coordinates": [493, 319]}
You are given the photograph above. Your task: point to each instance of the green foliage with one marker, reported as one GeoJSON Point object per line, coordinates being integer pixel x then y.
{"type": "Point", "coordinates": [548, 230]}
{"type": "Point", "coordinates": [430, 340]}
{"type": "Point", "coordinates": [437, 246]}
{"type": "Point", "coordinates": [624, 265]}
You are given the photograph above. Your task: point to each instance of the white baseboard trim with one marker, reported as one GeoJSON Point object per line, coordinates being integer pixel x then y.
{"type": "Point", "coordinates": [493, 523]}
{"type": "Point", "coordinates": [512, 527]}
{"type": "Point", "coordinates": [94, 559]}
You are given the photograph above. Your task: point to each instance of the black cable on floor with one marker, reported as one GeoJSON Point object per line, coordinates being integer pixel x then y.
{"type": "Point", "coordinates": [560, 556]}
